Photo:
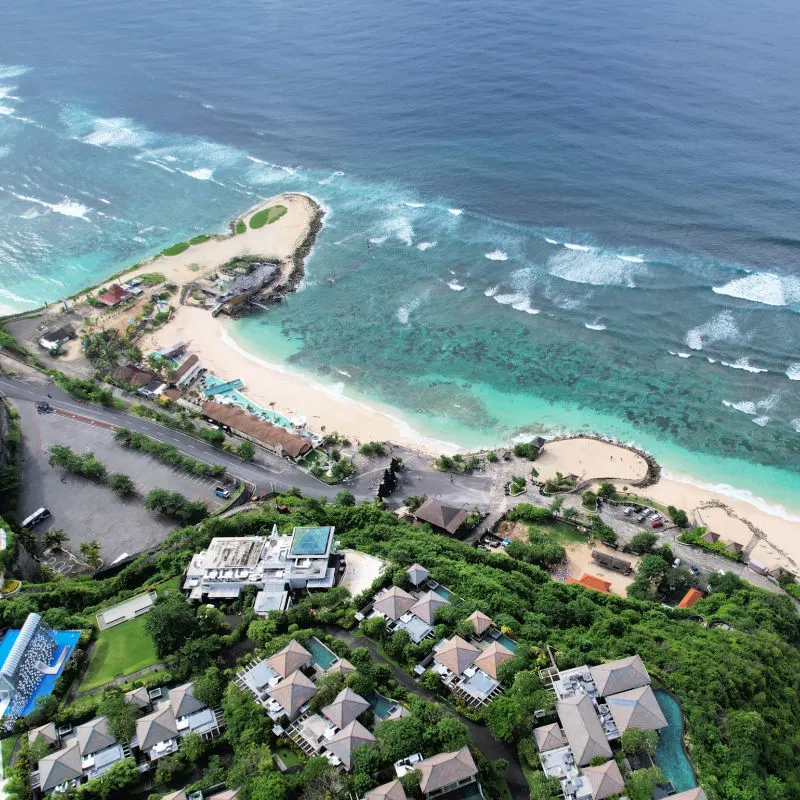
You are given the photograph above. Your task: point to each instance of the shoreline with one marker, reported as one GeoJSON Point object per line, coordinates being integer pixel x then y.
{"type": "Point", "coordinates": [330, 406]}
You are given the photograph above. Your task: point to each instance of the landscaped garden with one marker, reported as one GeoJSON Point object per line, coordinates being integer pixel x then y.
{"type": "Point", "coordinates": [121, 650]}
{"type": "Point", "coordinates": [267, 216]}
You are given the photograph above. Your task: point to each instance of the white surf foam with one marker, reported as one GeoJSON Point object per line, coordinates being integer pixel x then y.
{"type": "Point", "coordinates": [491, 291]}
{"type": "Point", "coordinates": [67, 207]}
{"type": "Point", "coordinates": [9, 295]}
{"type": "Point", "coordinates": [415, 205]}
{"type": "Point", "coordinates": [6, 111]}
{"type": "Point", "coordinates": [405, 311]}
{"type": "Point", "coordinates": [116, 132]}
{"type": "Point", "coordinates": [426, 246]}
{"type": "Point", "coordinates": [763, 287]}
{"type": "Point", "coordinates": [5, 91]}
{"type": "Point", "coordinates": [344, 372]}
{"type": "Point", "coordinates": [330, 179]}
{"type": "Point", "coordinates": [720, 328]}
{"type": "Point", "coordinates": [632, 259]}
{"type": "Point", "coordinates": [378, 239]}
{"type": "Point", "coordinates": [525, 305]}
{"type": "Point", "coordinates": [744, 364]}
{"type": "Point", "coordinates": [159, 164]}
{"type": "Point", "coordinates": [201, 174]}
{"type": "Point", "coordinates": [456, 287]}
{"type": "Point", "coordinates": [795, 423]}
{"type": "Point", "coordinates": [761, 421]}
{"type": "Point", "coordinates": [8, 71]}
{"type": "Point", "coordinates": [793, 372]}
{"type": "Point", "coordinates": [571, 246]}
{"type": "Point", "coordinates": [551, 241]}
{"type": "Point", "coordinates": [399, 228]}
{"type": "Point", "coordinates": [755, 408]}
{"type": "Point", "coordinates": [456, 212]}
{"type": "Point", "coordinates": [588, 266]}
{"type": "Point", "coordinates": [595, 326]}
{"type": "Point", "coordinates": [496, 255]}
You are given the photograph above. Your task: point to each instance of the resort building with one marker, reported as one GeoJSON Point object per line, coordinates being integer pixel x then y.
{"type": "Point", "coordinates": [447, 772]}
{"type": "Point", "coordinates": [273, 438]}
{"type": "Point", "coordinates": [389, 791]}
{"type": "Point", "coordinates": [52, 340]}
{"type": "Point", "coordinates": [690, 598]}
{"type": "Point", "coordinates": [595, 706]}
{"type": "Point", "coordinates": [114, 295]}
{"type": "Point", "coordinates": [611, 562]}
{"type": "Point", "coordinates": [32, 659]}
{"type": "Point", "coordinates": [442, 518]}
{"type": "Point", "coordinates": [592, 582]}
{"type": "Point", "coordinates": [692, 794]}
{"type": "Point", "coordinates": [417, 574]}
{"type": "Point", "coordinates": [276, 565]}
{"type": "Point", "coordinates": [404, 611]}
{"type": "Point", "coordinates": [342, 744]}
{"type": "Point", "coordinates": [186, 372]}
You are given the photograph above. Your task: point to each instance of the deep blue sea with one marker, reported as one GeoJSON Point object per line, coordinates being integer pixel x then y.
{"type": "Point", "coordinates": [541, 215]}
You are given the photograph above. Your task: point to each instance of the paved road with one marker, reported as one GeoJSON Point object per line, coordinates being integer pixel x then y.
{"type": "Point", "coordinates": [481, 736]}
{"type": "Point", "coordinates": [268, 471]}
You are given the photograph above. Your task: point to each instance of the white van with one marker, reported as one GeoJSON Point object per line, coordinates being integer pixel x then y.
{"type": "Point", "coordinates": [34, 519]}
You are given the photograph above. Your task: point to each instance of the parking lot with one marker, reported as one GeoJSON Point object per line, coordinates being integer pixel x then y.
{"type": "Point", "coordinates": [88, 511]}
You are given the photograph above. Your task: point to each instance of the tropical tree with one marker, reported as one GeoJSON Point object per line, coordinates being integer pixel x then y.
{"type": "Point", "coordinates": [122, 484]}
{"type": "Point", "coordinates": [90, 553]}
{"type": "Point", "coordinates": [53, 539]}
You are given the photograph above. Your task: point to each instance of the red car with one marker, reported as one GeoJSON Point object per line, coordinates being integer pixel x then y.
{"type": "Point", "coordinates": [657, 524]}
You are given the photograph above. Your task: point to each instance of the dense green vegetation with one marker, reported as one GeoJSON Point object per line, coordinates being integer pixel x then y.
{"type": "Point", "coordinates": [10, 471]}
{"type": "Point", "coordinates": [267, 216]}
{"type": "Point", "coordinates": [176, 249]}
{"type": "Point", "coordinates": [203, 237]}
{"type": "Point", "coordinates": [175, 505]}
{"type": "Point", "coordinates": [166, 453]}
{"type": "Point", "coordinates": [241, 226]}
{"type": "Point", "coordinates": [84, 464]}
{"type": "Point", "coordinates": [370, 449]}
{"type": "Point", "coordinates": [526, 450]}
{"type": "Point", "coordinates": [85, 390]}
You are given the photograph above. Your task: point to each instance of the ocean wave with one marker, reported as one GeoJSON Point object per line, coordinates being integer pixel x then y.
{"type": "Point", "coordinates": [12, 71]}
{"type": "Point", "coordinates": [116, 132]}
{"type": "Point", "coordinates": [399, 228]}
{"type": "Point", "coordinates": [632, 259]}
{"type": "Point", "coordinates": [795, 423]}
{"type": "Point", "coordinates": [761, 421]}
{"type": "Point", "coordinates": [67, 207]}
{"type": "Point", "coordinates": [456, 287]}
{"type": "Point", "coordinates": [720, 328]}
{"type": "Point", "coordinates": [159, 164]}
{"type": "Point", "coordinates": [200, 174]}
{"type": "Point", "coordinates": [679, 354]}
{"type": "Point", "coordinates": [551, 241]}
{"type": "Point", "coordinates": [491, 291]}
{"type": "Point", "coordinates": [496, 255]}
{"type": "Point", "coordinates": [519, 301]}
{"type": "Point", "coordinates": [330, 178]}
{"type": "Point", "coordinates": [405, 311]}
{"type": "Point", "coordinates": [754, 408]}
{"type": "Point", "coordinates": [426, 245]}
{"type": "Point", "coordinates": [5, 92]}
{"type": "Point", "coordinates": [743, 363]}
{"type": "Point", "coordinates": [793, 372]}
{"type": "Point", "coordinates": [456, 212]}
{"type": "Point", "coordinates": [415, 205]}
{"type": "Point", "coordinates": [9, 295]}
{"type": "Point", "coordinates": [571, 246]}
{"type": "Point", "coordinates": [595, 326]}
{"type": "Point", "coordinates": [344, 372]}
{"type": "Point", "coordinates": [590, 267]}
{"type": "Point", "coordinates": [763, 287]}
{"type": "Point", "coordinates": [7, 111]}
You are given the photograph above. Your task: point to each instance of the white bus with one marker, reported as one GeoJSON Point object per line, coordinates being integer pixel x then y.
{"type": "Point", "coordinates": [34, 519]}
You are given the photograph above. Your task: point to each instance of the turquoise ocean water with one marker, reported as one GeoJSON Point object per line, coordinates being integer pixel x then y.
{"type": "Point", "coordinates": [540, 217]}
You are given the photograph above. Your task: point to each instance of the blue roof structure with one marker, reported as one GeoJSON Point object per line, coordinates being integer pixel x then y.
{"type": "Point", "coordinates": [311, 541]}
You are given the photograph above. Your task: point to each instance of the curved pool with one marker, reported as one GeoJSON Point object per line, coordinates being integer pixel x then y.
{"type": "Point", "coordinates": [670, 755]}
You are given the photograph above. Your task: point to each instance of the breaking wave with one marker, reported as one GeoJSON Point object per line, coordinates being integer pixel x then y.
{"type": "Point", "coordinates": [720, 328]}
{"type": "Point", "coordinates": [763, 287]}
{"type": "Point", "coordinates": [496, 255]}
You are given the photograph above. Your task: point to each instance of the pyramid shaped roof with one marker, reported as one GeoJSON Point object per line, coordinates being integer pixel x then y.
{"type": "Point", "coordinates": [160, 726]}
{"type": "Point", "coordinates": [394, 602]}
{"type": "Point", "coordinates": [183, 701]}
{"type": "Point", "coordinates": [445, 769]}
{"type": "Point", "coordinates": [605, 780]}
{"type": "Point", "coordinates": [582, 728]}
{"type": "Point", "coordinates": [427, 605]}
{"type": "Point", "coordinates": [44, 733]}
{"type": "Point", "coordinates": [480, 622]}
{"type": "Point", "coordinates": [341, 667]}
{"type": "Point", "coordinates": [692, 794]}
{"type": "Point", "coordinates": [417, 574]}
{"type": "Point", "coordinates": [138, 697]}
{"type": "Point", "coordinates": [293, 692]}
{"type": "Point", "coordinates": [94, 736]}
{"type": "Point", "coordinates": [179, 795]}
{"type": "Point", "coordinates": [492, 657]}
{"type": "Point", "coordinates": [620, 675]}
{"type": "Point", "coordinates": [389, 791]}
{"type": "Point", "coordinates": [63, 765]}
{"type": "Point", "coordinates": [457, 654]}
{"type": "Point", "coordinates": [346, 706]}
{"type": "Point", "coordinates": [347, 740]}
{"type": "Point", "coordinates": [636, 708]}
{"type": "Point", "coordinates": [291, 658]}
{"type": "Point", "coordinates": [548, 737]}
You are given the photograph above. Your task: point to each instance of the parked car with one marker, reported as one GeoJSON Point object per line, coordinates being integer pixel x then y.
{"type": "Point", "coordinates": [657, 523]}
{"type": "Point", "coordinates": [676, 562]}
{"type": "Point", "coordinates": [694, 569]}
{"type": "Point", "coordinates": [219, 491]}
{"type": "Point", "coordinates": [628, 511]}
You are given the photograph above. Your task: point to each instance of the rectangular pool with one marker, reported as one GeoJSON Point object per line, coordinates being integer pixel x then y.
{"type": "Point", "coordinates": [509, 644]}
{"type": "Point", "coordinates": [322, 656]}
{"type": "Point", "coordinates": [382, 706]}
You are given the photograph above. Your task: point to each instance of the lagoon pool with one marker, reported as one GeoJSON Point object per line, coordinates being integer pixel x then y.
{"type": "Point", "coordinates": [510, 644]}
{"type": "Point", "coordinates": [670, 755]}
{"type": "Point", "coordinates": [382, 706]}
{"type": "Point", "coordinates": [321, 655]}
{"type": "Point", "coordinates": [231, 395]}
{"type": "Point", "coordinates": [442, 592]}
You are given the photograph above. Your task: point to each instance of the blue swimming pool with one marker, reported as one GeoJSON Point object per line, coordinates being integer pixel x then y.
{"type": "Point", "coordinates": [509, 644]}
{"type": "Point", "coordinates": [444, 593]}
{"type": "Point", "coordinates": [382, 706]}
{"type": "Point", "coordinates": [321, 655]}
{"type": "Point", "coordinates": [241, 400]}
{"type": "Point", "coordinates": [670, 755]}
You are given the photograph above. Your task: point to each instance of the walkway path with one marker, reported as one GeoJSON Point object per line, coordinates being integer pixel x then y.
{"type": "Point", "coordinates": [481, 737]}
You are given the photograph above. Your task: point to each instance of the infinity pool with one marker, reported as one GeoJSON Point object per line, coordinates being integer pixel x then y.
{"type": "Point", "coordinates": [321, 655]}
{"type": "Point", "coordinates": [670, 755]}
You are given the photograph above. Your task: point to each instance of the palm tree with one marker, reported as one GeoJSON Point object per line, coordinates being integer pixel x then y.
{"type": "Point", "coordinates": [54, 539]}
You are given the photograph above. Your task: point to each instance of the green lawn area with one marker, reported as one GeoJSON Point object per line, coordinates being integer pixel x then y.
{"type": "Point", "coordinates": [288, 756]}
{"type": "Point", "coordinates": [120, 650]}
{"type": "Point", "coordinates": [563, 532]}
{"type": "Point", "coordinates": [176, 249]}
{"type": "Point", "coordinates": [241, 226]}
{"type": "Point", "coordinates": [172, 585]}
{"type": "Point", "coordinates": [203, 237]}
{"type": "Point", "coordinates": [7, 747]}
{"type": "Point", "coordinates": [267, 216]}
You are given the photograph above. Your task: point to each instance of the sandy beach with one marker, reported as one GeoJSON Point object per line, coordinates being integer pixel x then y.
{"type": "Point", "coordinates": [325, 405]}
